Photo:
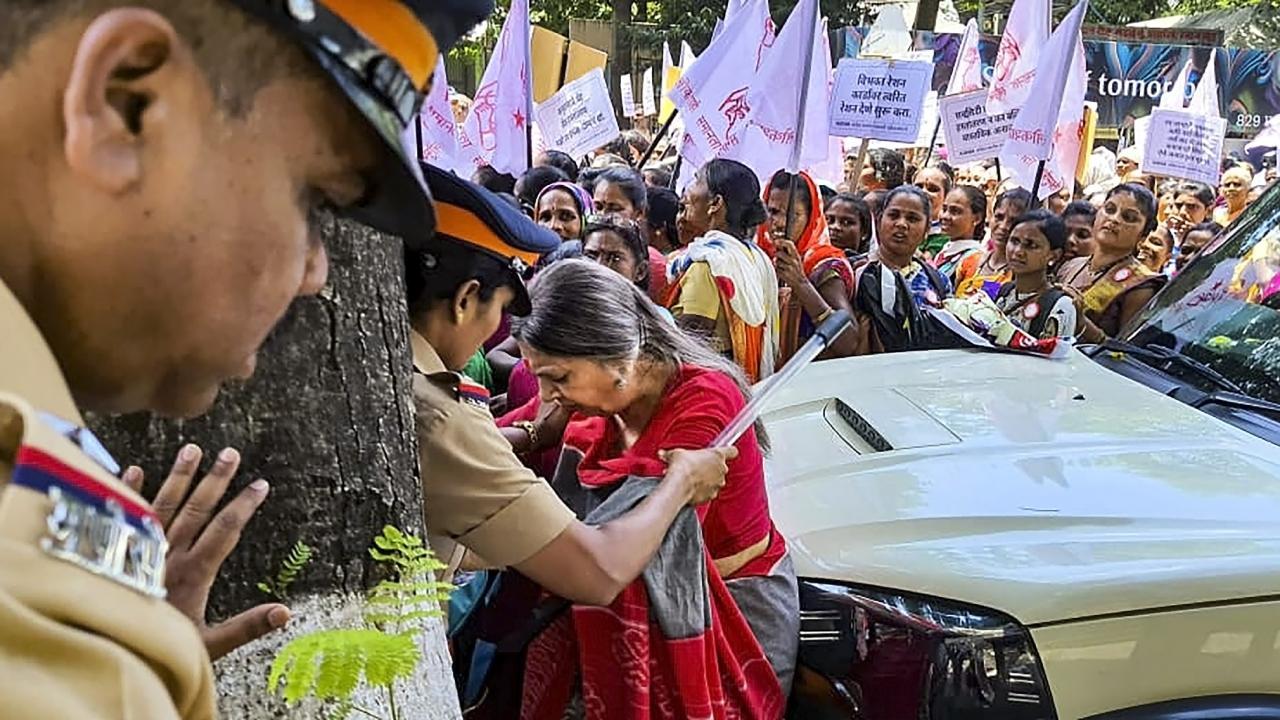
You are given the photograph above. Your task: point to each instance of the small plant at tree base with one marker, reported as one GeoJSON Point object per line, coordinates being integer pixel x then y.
{"type": "Point", "coordinates": [290, 569]}
{"type": "Point", "coordinates": [331, 664]}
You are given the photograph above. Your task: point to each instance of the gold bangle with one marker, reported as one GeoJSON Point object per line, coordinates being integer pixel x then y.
{"type": "Point", "coordinates": [825, 314]}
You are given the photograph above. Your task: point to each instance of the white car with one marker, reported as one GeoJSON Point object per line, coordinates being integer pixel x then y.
{"type": "Point", "coordinates": [991, 535]}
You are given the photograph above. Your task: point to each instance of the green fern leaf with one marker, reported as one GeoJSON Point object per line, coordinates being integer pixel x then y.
{"type": "Point", "coordinates": [329, 664]}
{"type": "Point", "coordinates": [266, 588]}
{"type": "Point", "coordinates": [397, 658]}
{"type": "Point", "coordinates": [342, 710]}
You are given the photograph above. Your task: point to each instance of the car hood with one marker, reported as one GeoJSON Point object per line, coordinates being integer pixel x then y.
{"type": "Point", "coordinates": [1049, 490]}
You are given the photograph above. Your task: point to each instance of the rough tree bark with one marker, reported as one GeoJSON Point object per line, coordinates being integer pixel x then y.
{"type": "Point", "coordinates": [328, 420]}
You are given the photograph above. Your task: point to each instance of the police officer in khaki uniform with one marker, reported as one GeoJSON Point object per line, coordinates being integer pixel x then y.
{"type": "Point", "coordinates": [162, 170]}
{"type": "Point", "coordinates": [477, 493]}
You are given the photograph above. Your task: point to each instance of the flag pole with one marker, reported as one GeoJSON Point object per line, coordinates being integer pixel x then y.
{"type": "Point", "coordinates": [528, 91]}
{"type": "Point", "coordinates": [653, 144]}
{"type": "Point", "coordinates": [928, 155]}
{"type": "Point", "coordinates": [417, 133]}
{"type": "Point", "coordinates": [1035, 186]}
{"type": "Point", "coordinates": [797, 148]}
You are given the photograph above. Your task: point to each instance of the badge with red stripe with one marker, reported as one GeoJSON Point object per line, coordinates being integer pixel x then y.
{"type": "Point", "coordinates": [472, 393]}
{"type": "Point", "coordinates": [94, 526]}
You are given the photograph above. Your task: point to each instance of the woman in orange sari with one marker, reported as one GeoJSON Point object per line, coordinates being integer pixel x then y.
{"type": "Point", "coordinates": [819, 278]}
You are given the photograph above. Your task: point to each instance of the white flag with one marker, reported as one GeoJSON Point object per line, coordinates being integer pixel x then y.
{"type": "Point", "coordinates": [1176, 97]}
{"type": "Point", "coordinates": [439, 130]}
{"type": "Point", "coordinates": [1050, 128]}
{"type": "Point", "coordinates": [1026, 32]}
{"type": "Point", "coordinates": [888, 36]}
{"type": "Point", "coordinates": [667, 64]}
{"type": "Point", "coordinates": [646, 93]}
{"type": "Point", "coordinates": [831, 168]}
{"type": "Point", "coordinates": [966, 75]}
{"type": "Point", "coordinates": [1204, 101]}
{"type": "Point", "coordinates": [496, 130]}
{"type": "Point", "coordinates": [686, 55]}
{"type": "Point", "coordinates": [782, 128]}
{"type": "Point", "coordinates": [711, 94]}
{"type": "Point", "coordinates": [628, 96]}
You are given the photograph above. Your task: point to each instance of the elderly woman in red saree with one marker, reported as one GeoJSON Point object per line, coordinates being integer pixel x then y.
{"type": "Point", "coordinates": [711, 629]}
{"type": "Point", "coordinates": [723, 287]}
{"type": "Point", "coordinates": [818, 277]}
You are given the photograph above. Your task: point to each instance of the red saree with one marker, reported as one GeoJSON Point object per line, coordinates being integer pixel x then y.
{"type": "Point", "coordinates": [625, 659]}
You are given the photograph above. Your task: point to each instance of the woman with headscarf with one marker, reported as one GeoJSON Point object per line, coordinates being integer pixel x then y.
{"type": "Point", "coordinates": [1113, 284]}
{"type": "Point", "coordinates": [561, 207]}
{"type": "Point", "coordinates": [621, 191]}
{"type": "Point", "coordinates": [818, 277]}
{"type": "Point", "coordinates": [712, 628]}
{"type": "Point", "coordinates": [723, 286]}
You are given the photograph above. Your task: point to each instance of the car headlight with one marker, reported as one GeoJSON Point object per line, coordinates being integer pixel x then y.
{"type": "Point", "coordinates": [873, 654]}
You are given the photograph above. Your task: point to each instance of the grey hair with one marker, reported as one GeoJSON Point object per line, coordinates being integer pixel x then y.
{"type": "Point", "coordinates": [583, 310]}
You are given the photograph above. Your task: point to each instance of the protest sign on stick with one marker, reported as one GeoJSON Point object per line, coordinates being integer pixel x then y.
{"type": "Point", "coordinates": [646, 93]}
{"type": "Point", "coordinates": [628, 96]}
{"type": "Point", "coordinates": [579, 117]}
{"type": "Point", "coordinates": [971, 134]}
{"type": "Point", "coordinates": [879, 99]}
{"type": "Point", "coordinates": [1185, 145]}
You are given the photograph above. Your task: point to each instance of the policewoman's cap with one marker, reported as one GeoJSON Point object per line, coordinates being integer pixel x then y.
{"type": "Point", "coordinates": [382, 55]}
{"type": "Point", "coordinates": [470, 214]}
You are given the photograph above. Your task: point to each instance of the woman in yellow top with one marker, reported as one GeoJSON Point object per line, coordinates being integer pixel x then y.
{"type": "Point", "coordinates": [1235, 190]}
{"type": "Point", "coordinates": [723, 286]}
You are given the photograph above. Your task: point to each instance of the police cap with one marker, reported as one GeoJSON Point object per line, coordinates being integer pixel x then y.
{"type": "Point", "coordinates": [381, 54]}
{"type": "Point", "coordinates": [469, 214]}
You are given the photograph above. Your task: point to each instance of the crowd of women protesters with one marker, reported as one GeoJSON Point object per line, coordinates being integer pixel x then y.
{"type": "Point", "coordinates": [657, 313]}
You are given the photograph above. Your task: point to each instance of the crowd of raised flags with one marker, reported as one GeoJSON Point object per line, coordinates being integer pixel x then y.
{"type": "Point", "coordinates": [762, 96]}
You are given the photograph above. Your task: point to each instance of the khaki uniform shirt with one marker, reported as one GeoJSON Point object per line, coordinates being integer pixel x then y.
{"type": "Point", "coordinates": [84, 632]}
{"type": "Point", "coordinates": [476, 494]}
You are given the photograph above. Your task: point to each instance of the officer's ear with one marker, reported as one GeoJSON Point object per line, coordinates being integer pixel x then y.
{"type": "Point", "coordinates": [465, 299]}
{"type": "Point", "coordinates": [129, 71]}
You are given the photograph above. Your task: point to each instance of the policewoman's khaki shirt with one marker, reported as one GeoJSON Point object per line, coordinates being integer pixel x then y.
{"type": "Point", "coordinates": [476, 494]}
{"type": "Point", "coordinates": [83, 634]}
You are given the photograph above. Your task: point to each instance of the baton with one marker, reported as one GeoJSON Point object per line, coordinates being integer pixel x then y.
{"type": "Point", "coordinates": [823, 336]}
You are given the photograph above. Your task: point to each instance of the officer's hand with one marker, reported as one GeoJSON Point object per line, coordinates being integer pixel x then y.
{"type": "Point", "coordinates": [702, 471]}
{"type": "Point", "coordinates": [551, 421]}
{"type": "Point", "coordinates": [198, 545]}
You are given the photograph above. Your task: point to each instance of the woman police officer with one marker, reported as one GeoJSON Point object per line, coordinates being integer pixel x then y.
{"type": "Point", "coordinates": [476, 492]}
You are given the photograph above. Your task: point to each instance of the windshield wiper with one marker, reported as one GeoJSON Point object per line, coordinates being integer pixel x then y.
{"type": "Point", "coordinates": [1161, 358]}
{"type": "Point", "coordinates": [1242, 402]}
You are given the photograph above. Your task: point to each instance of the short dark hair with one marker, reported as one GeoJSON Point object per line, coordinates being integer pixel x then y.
{"type": "Point", "coordinates": [782, 180]}
{"type": "Point", "coordinates": [737, 184]}
{"type": "Point", "coordinates": [1208, 226]}
{"type": "Point", "coordinates": [1050, 225]}
{"type": "Point", "coordinates": [435, 271]}
{"type": "Point", "coordinates": [561, 160]}
{"type": "Point", "coordinates": [657, 176]}
{"type": "Point", "coordinates": [534, 180]}
{"type": "Point", "coordinates": [1079, 208]}
{"type": "Point", "coordinates": [630, 182]}
{"type": "Point", "coordinates": [588, 178]}
{"type": "Point", "coordinates": [913, 191]}
{"type": "Point", "coordinates": [664, 206]}
{"type": "Point", "coordinates": [1205, 194]}
{"type": "Point", "coordinates": [860, 207]}
{"type": "Point", "coordinates": [630, 234]}
{"type": "Point", "coordinates": [636, 140]}
{"type": "Point", "coordinates": [1018, 196]}
{"type": "Point", "coordinates": [238, 53]}
{"type": "Point", "coordinates": [1141, 195]}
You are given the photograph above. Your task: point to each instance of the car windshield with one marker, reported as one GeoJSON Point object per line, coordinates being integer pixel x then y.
{"type": "Point", "coordinates": [1223, 309]}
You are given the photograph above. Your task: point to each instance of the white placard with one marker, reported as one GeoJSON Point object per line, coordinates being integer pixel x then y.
{"type": "Point", "coordinates": [971, 134]}
{"type": "Point", "coordinates": [579, 117]}
{"type": "Point", "coordinates": [628, 97]}
{"type": "Point", "coordinates": [646, 93]}
{"type": "Point", "coordinates": [879, 99]}
{"type": "Point", "coordinates": [1184, 145]}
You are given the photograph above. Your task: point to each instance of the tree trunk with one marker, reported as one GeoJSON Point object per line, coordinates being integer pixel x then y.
{"type": "Point", "coordinates": [621, 62]}
{"type": "Point", "coordinates": [328, 420]}
{"type": "Point", "coordinates": [926, 15]}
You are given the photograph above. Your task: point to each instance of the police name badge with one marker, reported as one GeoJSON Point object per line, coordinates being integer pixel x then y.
{"type": "Point", "coordinates": [93, 526]}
